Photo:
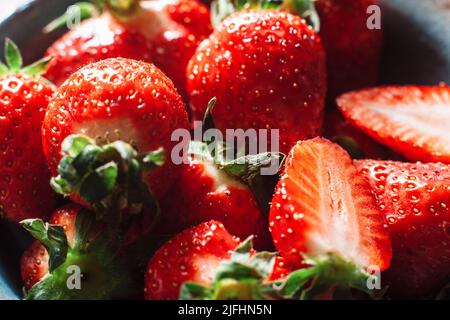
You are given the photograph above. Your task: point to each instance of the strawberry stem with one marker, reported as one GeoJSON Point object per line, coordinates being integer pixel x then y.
{"type": "Point", "coordinates": [122, 8]}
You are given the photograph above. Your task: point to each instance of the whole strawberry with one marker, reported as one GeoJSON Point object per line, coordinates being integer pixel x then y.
{"type": "Point", "coordinates": [267, 69]}
{"type": "Point", "coordinates": [203, 191]}
{"type": "Point", "coordinates": [24, 185]}
{"type": "Point", "coordinates": [164, 32]}
{"type": "Point", "coordinates": [410, 120]}
{"type": "Point", "coordinates": [193, 255]}
{"type": "Point", "coordinates": [353, 50]}
{"type": "Point", "coordinates": [93, 40]}
{"type": "Point", "coordinates": [117, 99]}
{"type": "Point", "coordinates": [206, 262]}
{"type": "Point", "coordinates": [77, 258]}
{"type": "Point", "coordinates": [415, 198]}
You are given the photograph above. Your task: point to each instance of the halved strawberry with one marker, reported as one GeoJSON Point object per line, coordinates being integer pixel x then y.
{"type": "Point", "coordinates": [323, 206]}
{"type": "Point", "coordinates": [411, 120]}
{"type": "Point", "coordinates": [415, 198]}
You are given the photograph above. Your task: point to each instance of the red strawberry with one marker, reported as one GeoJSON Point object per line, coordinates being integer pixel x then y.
{"type": "Point", "coordinates": [410, 120]}
{"type": "Point", "coordinates": [358, 144]}
{"type": "Point", "coordinates": [117, 99]}
{"type": "Point", "coordinates": [267, 69]}
{"type": "Point", "coordinates": [165, 32]}
{"type": "Point", "coordinates": [353, 50]}
{"type": "Point", "coordinates": [203, 191]}
{"type": "Point", "coordinates": [24, 182]}
{"type": "Point", "coordinates": [322, 206]}
{"type": "Point", "coordinates": [34, 264]}
{"type": "Point", "coordinates": [176, 43]}
{"type": "Point", "coordinates": [75, 244]}
{"type": "Point", "coordinates": [35, 260]}
{"type": "Point", "coordinates": [93, 40]}
{"type": "Point", "coordinates": [193, 255]}
{"type": "Point", "coordinates": [416, 199]}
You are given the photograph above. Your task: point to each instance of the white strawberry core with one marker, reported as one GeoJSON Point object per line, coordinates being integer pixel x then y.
{"type": "Point", "coordinates": [222, 181]}
{"type": "Point", "coordinates": [110, 130]}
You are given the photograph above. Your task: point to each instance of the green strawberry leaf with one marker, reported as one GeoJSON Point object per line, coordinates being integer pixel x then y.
{"type": "Point", "coordinates": [242, 277]}
{"type": "Point", "coordinates": [53, 237]}
{"type": "Point", "coordinates": [12, 56]}
{"type": "Point", "coordinates": [194, 291]}
{"type": "Point", "coordinates": [37, 68]}
{"type": "Point", "coordinates": [154, 159]}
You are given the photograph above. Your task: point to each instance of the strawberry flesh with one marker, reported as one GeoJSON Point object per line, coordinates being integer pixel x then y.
{"type": "Point", "coordinates": [322, 205]}
{"type": "Point", "coordinates": [410, 120]}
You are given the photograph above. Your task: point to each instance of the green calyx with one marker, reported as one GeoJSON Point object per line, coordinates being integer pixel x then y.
{"type": "Point", "coordinates": [109, 177]}
{"type": "Point", "coordinates": [220, 9]}
{"type": "Point", "coordinates": [327, 274]}
{"type": "Point", "coordinates": [53, 237]}
{"type": "Point", "coordinates": [240, 278]}
{"type": "Point", "coordinates": [14, 62]}
{"type": "Point", "coordinates": [247, 168]}
{"type": "Point", "coordinates": [89, 268]}
{"type": "Point", "coordinates": [244, 277]}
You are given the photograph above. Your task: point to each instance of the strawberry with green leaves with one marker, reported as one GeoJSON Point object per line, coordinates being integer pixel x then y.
{"type": "Point", "coordinates": [163, 32]}
{"type": "Point", "coordinates": [211, 187]}
{"type": "Point", "coordinates": [268, 70]}
{"type": "Point", "coordinates": [411, 120]}
{"type": "Point", "coordinates": [323, 214]}
{"type": "Point", "coordinates": [76, 250]}
{"type": "Point", "coordinates": [415, 198]}
{"type": "Point", "coordinates": [24, 97]}
{"type": "Point", "coordinates": [111, 100]}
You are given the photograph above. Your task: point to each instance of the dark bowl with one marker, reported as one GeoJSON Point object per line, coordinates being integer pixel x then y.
{"type": "Point", "coordinates": [417, 51]}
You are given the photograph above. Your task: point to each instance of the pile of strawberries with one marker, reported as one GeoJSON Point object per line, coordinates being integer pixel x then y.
{"type": "Point", "coordinates": [86, 147]}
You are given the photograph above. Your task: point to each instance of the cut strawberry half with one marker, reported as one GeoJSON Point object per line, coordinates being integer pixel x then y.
{"type": "Point", "coordinates": [411, 120]}
{"type": "Point", "coordinates": [322, 206]}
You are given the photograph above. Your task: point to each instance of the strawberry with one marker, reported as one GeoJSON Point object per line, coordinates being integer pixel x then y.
{"type": "Point", "coordinates": [24, 96]}
{"type": "Point", "coordinates": [176, 43]}
{"type": "Point", "coordinates": [211, 185]}
{"type": "Point", "coordinates": [207, 190]}
{"type": "Point", "coordinates": [415, 198]}
{"type": "Point", "coordinates": [35, 261]}
{"type": "Point", "coordinates": [193, 255]}
{"type": "Point", "coordinates": [268, 70]}
{"type": "Point", "coordinates": [209, 263]}
{"type": "Point", "coordinates": [93, 40]}
{"type": "Point", "coordinates": [356, 143]}
{"type": "Point", "coordinates": [323, 209]}
{"type": "Point", "coordinates": [115, 99]}
{"type": "Point", "coordinates": [76, 248]}
{"type": "Point", "coordinates": [410, 120]}
{"type": "Point", "coordinates": [164, 32]}
{"type": "Point", "coordinates": [34, 265]}
{"type": "Point", "coordinates": [353, 50]}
